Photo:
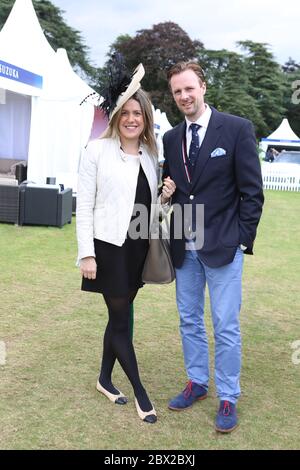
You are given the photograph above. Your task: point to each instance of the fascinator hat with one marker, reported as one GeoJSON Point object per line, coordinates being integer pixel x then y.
{"type": "Point", "coordinates": [120, 86]}
{"type": "Point", "coordinates": [117, 94]}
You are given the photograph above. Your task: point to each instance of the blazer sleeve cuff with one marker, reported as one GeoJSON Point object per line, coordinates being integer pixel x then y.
{"type": "Point", "coordinates": [85, 254]}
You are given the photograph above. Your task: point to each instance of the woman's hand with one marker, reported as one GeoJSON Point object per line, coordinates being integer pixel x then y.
{"type": "Point", "coordinates": [168, 190]}
{"type": "Point", "coordinates": [88, 267]}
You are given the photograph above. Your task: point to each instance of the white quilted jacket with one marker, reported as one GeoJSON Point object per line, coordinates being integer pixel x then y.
{"type": "Point", "coordinates": [106, 192]}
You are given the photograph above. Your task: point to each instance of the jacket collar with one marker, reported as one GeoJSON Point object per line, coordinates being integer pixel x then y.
{"type": "Point", "coordinates": [213, 133]}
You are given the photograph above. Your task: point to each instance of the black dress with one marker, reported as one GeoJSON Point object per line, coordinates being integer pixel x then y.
{"type": "Point", "coordinates": [119, 268]}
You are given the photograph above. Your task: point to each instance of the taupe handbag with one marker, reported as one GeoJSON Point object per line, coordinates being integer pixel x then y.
{"type": "Point", "coordinates": [158, 267]}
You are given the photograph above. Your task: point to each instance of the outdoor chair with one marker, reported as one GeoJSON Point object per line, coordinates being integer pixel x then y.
{"type": "Point", "coordinates": [42, 205]}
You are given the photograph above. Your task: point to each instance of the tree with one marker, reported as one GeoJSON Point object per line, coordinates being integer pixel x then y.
{"type": "Point", "coordinates": [158, 48]}
{"type": "Point", "coordinates": [291, 98]}
{"type": "Point", "coordinates": [228, 84]}
{"type": "Point", "coordinates": [235, 98]}
{"type": "Point", "coordinates": [292, 102]}
{"type": "Point", "coordinates": [291, 66]}
{"type": "Point", "coordinates": [214, 64]}
{"type": "Point", "coordinates": [265, 84]}
{"type": "Point", "coordinates": [58, 34]}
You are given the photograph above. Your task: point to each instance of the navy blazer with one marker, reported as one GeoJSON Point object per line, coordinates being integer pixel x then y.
{"type": "Point", "coordinates": [229, 186]}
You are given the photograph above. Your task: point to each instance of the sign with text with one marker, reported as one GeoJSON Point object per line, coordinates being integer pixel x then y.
{"type": "Point", "coordinates": [20, 75]}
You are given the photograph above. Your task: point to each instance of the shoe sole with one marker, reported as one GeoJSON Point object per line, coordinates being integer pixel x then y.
{"type": "Point", "coordinates": [226, 431]}
{"type": "Point", "coordinates": [182, 409]}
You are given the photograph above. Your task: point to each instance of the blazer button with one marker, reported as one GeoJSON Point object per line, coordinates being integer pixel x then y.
{"type": "Point", "coordinates": [192, 197]}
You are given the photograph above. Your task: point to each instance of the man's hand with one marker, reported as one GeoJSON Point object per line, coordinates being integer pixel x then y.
{"type": "Point", "coordinates": [88, 267]}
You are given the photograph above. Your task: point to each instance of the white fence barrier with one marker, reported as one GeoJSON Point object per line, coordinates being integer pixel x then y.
{"type": "Point", "coordinates": [280, 179]}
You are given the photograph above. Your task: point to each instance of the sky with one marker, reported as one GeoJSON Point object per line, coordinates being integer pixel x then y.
{"type": "Point", "coordinates": [217, 23]}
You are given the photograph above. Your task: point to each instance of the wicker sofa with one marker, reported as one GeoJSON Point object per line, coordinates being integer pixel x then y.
{"type": "Point", "coordinates": [10, 169]}
{"type": "Point", "coordinates": [9, 201]}
{"type": "Point", "coordinates": [7, 167]}
{"type": "Point", "coordinates": [9, 189]}
{"type": "Point", "coordinates": [45, 205]}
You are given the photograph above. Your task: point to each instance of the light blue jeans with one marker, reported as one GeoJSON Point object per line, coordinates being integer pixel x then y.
{"type": "Point", "coordinates": [225, 291]}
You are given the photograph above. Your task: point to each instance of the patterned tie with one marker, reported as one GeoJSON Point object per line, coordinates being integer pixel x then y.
{"type": "Point", "coordinates": [195, 144]}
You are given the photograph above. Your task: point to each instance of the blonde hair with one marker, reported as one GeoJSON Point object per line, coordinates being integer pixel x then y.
{"type": "Point", "coordinates": [147, 137]}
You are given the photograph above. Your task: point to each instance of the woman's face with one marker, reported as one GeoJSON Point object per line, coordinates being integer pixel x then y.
{"type": "Point", "coordinates": [131, 124]}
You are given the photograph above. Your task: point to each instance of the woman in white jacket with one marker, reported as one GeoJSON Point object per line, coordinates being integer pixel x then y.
{"type": "Point", "coordinates": [118, 175]}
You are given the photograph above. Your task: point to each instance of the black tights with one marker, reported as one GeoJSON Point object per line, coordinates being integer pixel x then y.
{"type": "Point", "coordinates": [117, 344]}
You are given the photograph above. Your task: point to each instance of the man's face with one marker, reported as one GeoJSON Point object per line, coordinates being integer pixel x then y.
{"type": "Point", "coordinates": [188, 94]}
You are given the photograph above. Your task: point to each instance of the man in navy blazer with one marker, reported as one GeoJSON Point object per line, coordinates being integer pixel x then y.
{"type": "Point", "coordinates": [213, 160]}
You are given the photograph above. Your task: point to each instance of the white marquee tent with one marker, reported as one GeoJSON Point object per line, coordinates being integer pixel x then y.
{"type": "Point", "coordinates": [40, 117]}
{"type": "Point", "coordinates": [282, 137]}
{"type": "Point", "coordinates": [161, 125]}
{"type": "Point", "coordinates": [60, 127]}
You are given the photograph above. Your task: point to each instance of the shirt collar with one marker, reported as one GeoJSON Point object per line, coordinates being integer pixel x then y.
{"type": "Point", "coordinates": [203, 120]}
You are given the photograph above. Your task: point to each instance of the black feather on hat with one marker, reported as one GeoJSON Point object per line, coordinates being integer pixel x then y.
{"type": "Point", "coordinates": [118, 81]}
{"type": "Point", "coordinates": [120, 87]}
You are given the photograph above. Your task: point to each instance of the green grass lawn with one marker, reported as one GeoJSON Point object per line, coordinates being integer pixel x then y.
{"type": "Point", "coordinates": [53, 336]}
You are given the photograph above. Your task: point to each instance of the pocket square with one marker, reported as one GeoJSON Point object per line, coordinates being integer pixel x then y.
{"type": "Point", "coordinates": [218, 152]}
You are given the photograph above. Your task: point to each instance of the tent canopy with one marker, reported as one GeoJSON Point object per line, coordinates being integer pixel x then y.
{"type": "Point", "coordinates": [61, 82]}
{"type": "Point", "coordinates": [60, 127]}
{"type": "Point", "coordinates": [282, 138]}
{"type": "Point", "coordinates": [161, 125]}
{"type": "Point", "coordinates": [40, 101]}
{"type": "Point", "coordinates": [24, 51]}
